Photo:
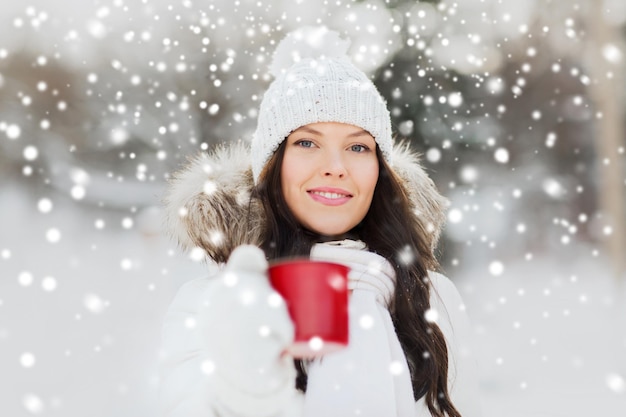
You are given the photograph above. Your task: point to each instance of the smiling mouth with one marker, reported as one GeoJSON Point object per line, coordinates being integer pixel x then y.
{"type": "Point", "coordinates": [330, 196]}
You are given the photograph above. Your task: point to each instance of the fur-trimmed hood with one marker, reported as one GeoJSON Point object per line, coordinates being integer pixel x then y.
{"type": "Point", "coordinates": [208, 201]}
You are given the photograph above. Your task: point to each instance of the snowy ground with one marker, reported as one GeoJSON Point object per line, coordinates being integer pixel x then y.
{"type": "Point", "coordinates": [80, 309]}
{"type": "Point", "coordinates": [550, 337]}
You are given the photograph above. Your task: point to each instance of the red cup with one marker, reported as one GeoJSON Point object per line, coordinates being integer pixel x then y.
{"type": "Point", "coordinates": [316, 294]}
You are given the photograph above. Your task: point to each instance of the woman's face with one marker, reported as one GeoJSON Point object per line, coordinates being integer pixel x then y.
{"type": "Point", "coordinates": [328, 176]}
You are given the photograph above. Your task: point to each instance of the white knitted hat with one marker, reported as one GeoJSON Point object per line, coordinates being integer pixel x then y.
{"type": "Point", "coordinates": [321, 86]}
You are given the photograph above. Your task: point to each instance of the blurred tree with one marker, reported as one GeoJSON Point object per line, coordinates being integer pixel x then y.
{"type": "Point", "coordinates": [605, 48]}
{"type": "Point", "coordinates": [472, 87]}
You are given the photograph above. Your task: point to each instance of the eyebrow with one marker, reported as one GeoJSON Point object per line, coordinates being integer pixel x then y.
{"type": "Point", "coordinates": [361, 132]}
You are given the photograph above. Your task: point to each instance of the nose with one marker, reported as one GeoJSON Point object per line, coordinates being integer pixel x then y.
{"type": "Point", "coordinates": [334, 165]}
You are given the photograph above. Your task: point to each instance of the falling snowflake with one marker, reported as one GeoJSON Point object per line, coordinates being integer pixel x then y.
{"type": "Point", "coordinates": [366, 321]}
{"type": "Point", "coordinates": [406, 255]}
{"type": "Point", "coordinates": [501, 155]}
{"type": "Point", "coordinates": [94, 303]}
{"type": "Point", "coordinates": [25, 279]}
{"type": "Point", "coordinates": [32, 403]}
{"type": "Point", "coordinates": [396, 368]}
{"type": "Point", "coordinates": [316, 343]}
{"type": "Point", "coordinates": [49, 284]}
{"type": "Point", "coordinates": [208, 367]}
{"type": "Point", "coordinates": [616, 383]}
{"type": "Point", "coordinates": [44, 205]}
{"type": "Point", "coordinates": [496, 268]}
{"type": "Point", "coordinates": [13, 131]}
{"type": "Point", "coordinates": [455, 215]}
{"type": "Point", "coordinates": [27, 360]}
{"type": "Point", "coordinates": [30, 153]}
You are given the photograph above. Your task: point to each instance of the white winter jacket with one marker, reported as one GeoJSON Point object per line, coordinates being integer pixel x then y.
{"type": "Point", "coordinates": [205, 376]}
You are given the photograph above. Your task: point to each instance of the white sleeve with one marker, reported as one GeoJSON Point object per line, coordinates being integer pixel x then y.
{"type": "Point", "coordinates": [463, 381]}
{"type": "Point", "coordinates": [199, 379]}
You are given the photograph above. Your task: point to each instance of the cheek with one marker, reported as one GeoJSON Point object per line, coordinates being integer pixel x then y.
{"type": "Point", "coordinates": [293, 175]}
{"type": "Point", "coordinates": [367, 177]}
{"type": "Point", "coordinates": [287, 172]}
{"type": "Point", "coordinates": [296, 169]}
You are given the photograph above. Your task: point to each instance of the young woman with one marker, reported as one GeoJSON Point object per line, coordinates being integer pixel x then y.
{"type": "Point", "coordinates": [322, 179]}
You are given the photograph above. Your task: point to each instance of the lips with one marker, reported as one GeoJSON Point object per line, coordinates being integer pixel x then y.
{"type": "Point", "coordinates": [330, 196]}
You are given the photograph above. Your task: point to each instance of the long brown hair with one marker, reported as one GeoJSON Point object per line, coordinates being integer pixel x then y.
{"type": "Point", "coordinates": [391, 229]}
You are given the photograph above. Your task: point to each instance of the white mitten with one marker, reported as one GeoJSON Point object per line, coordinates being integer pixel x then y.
{"type": "Point", "coordinates": [246, 326]}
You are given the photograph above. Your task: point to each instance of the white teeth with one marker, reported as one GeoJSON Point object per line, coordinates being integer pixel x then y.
{"type": "Point", "coordinates": [328, 195]}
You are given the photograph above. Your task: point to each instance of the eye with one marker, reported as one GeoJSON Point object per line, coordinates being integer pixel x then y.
{"type": "Point", "coordinates": [304, 143]}
{"type": "Point", "coordinates": [359, 148]}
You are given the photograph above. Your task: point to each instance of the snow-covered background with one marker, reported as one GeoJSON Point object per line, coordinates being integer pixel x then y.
{"type": "Point", "coordinates": [100, 100]}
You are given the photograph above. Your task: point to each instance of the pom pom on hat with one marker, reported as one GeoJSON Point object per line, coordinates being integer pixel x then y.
{"type": "Point", "coordinates": [307, 42]}
{"type": "Point", "coordinates": [316, 82]}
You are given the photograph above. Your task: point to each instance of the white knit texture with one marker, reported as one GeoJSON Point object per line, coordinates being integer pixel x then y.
{"type": "Point", "coordinates": [319, 90]}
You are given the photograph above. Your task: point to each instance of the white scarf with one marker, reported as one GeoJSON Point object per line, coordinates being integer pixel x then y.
{"type": "Point", "coordinates": [370, 377]}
